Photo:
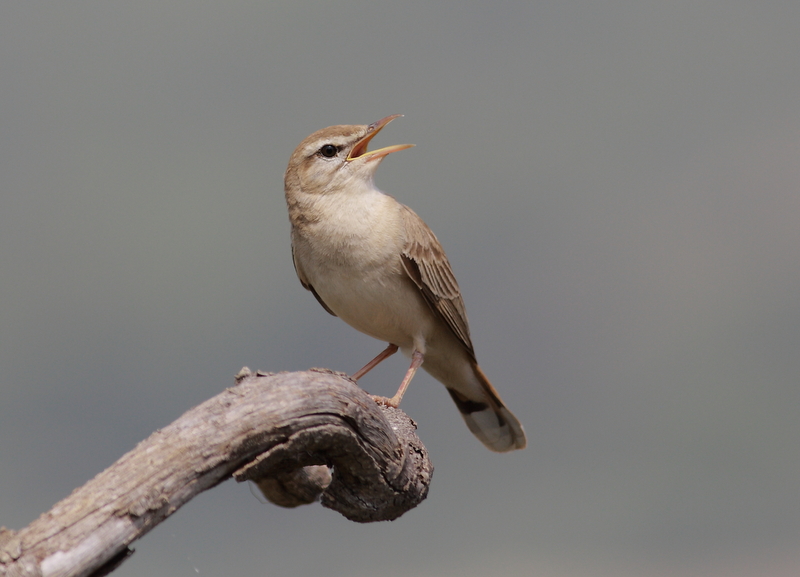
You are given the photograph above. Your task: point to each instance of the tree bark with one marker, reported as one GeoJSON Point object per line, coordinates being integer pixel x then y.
{"type": "Point", "coordinates": [298, 436]}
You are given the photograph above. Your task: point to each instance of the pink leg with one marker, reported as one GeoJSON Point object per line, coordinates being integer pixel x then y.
{"type": "Point", "coordinates": [416, 362]}
{"type": "Point", "coordinates": [385, 354]}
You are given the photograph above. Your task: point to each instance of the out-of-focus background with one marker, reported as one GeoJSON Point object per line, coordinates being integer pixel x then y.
{"type": "Point", "coordinates": [617, 185]}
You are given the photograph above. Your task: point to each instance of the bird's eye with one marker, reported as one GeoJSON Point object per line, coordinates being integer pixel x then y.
{"type": "Point", "coordinates": [328, 151]}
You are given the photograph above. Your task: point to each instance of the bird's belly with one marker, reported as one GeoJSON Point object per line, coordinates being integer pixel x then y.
{"type": "Point", "coordinates": [387, 307]}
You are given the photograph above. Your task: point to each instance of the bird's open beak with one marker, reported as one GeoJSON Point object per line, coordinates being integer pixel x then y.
{"type": "Point", "coordinates": [360, 149]}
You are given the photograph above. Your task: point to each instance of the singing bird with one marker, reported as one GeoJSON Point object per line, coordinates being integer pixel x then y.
{"type": "Point", "coordinates": [375, 264]}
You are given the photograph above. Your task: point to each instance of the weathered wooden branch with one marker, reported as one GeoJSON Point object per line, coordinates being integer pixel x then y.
{"type": "Point", "coordinates": [299, 436]}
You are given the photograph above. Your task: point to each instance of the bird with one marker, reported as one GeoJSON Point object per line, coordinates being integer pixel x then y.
{"type": "Point", "coordinates": [372, 262]}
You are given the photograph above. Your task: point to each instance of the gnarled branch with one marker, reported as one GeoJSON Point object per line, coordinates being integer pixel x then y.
{"type": "Point", "coordinates": [297, 435]}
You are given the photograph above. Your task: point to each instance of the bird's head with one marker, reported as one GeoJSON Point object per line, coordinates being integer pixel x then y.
{"type": "Point", "coordinates": [337, 156]}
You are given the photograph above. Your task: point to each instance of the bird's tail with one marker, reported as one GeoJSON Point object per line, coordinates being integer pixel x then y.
{"type": "Point", "coordinates": [486, 415]}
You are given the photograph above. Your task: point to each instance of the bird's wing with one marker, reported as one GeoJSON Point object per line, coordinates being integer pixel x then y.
{"type": "Point", "coordinates": [307, 285]}
{"type": "Point", "coordinates": [426, 264]}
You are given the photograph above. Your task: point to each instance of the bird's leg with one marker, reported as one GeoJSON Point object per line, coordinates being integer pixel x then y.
{"type": "Point", "coordinates": [385, 354]}
{"type": "Point", "coordinates": [416, 362]}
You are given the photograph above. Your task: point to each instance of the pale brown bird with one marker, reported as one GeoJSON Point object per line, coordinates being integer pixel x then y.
{"type": "Point", "coordinates": [375, 264]}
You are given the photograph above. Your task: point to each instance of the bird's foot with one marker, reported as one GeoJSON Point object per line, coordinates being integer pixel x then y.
{"type": "Point", "coordinates": [394, 402]}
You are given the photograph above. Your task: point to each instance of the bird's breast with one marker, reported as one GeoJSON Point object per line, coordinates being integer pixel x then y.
{"type": "Point", "coordinates": [350, 233]}
{"type": "Point", "coordinates": [352, 258]}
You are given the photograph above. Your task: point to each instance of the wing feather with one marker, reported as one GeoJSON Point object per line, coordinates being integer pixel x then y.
{"type": "Point", "coordinates": [426, 264]}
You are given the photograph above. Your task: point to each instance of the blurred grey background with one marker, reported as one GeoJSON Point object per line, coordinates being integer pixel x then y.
{"type": "Point", "coordinates": [617, 185]}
